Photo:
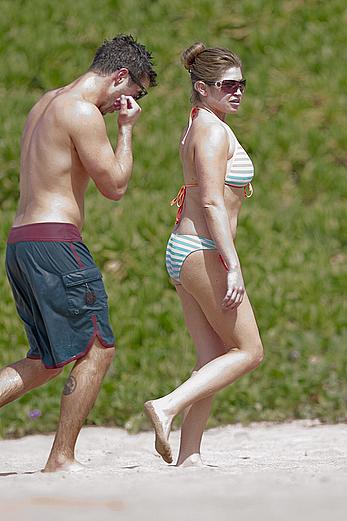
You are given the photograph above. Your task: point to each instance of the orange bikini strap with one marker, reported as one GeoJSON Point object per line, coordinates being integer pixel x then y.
{"type": "Point", "coordinates": [248, 190]}
{"type": "Point", "coordinates": [193, 113]}
{"type": "Point", "coordinates": [179, 200]}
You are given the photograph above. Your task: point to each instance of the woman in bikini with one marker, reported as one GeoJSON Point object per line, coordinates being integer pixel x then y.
{"type": "Point", "coordinates": [201, 258]}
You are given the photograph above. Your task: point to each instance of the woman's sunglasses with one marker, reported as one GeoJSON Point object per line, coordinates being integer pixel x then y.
{"type": "Point", "coordinates": [229, 86]}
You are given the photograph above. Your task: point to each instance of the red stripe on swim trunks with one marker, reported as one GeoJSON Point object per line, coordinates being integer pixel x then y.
{"type": "Point", "coordinates": [49, 232]}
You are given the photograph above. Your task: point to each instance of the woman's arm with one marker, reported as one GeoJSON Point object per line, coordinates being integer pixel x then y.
{"type": "Point", "coordinates": [211, 153]}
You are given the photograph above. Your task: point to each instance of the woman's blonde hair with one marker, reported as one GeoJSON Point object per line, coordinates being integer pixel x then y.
{"type": "Point", "coordinates": [207, 64]}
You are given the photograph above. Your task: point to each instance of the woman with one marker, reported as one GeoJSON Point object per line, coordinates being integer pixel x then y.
{"type": "Point", "coordinates": [201, 257]}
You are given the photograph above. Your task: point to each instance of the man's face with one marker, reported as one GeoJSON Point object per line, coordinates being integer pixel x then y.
{"type": "Point", "coordinates": [123, 84]}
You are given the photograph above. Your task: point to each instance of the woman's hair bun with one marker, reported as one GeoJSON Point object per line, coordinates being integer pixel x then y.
{"type": "Point", "coordinates": [188, 56]}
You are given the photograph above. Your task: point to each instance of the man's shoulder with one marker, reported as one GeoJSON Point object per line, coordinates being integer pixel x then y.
{"type": "Point", "coordinates": [76, 110]}
{"type": "Point", "coordinates": [67, 104]}
{"type": "Point", "coordinates": [42, 102]}
{"type": "Point", "coordinates": [73, 113]}
{"type": "Point", "coordinates": [66, 110]}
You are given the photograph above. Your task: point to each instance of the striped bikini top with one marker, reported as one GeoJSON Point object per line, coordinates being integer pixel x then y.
{"type": "Point", "coordinates": [239, 171]}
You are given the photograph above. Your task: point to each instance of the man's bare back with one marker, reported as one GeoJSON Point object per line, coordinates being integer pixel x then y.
{"type": "Point", "coordinates": [52, 178]}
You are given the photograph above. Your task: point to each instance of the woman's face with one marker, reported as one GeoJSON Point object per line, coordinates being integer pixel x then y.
{"type": "Point", "coordinates": [226, 96]}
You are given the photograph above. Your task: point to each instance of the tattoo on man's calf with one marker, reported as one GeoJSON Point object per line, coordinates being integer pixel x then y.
{"type": "Point", "coordinates": [70, 385]}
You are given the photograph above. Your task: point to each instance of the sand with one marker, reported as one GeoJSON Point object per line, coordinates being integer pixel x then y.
{"type": "Point", "coordinates": [274, 472]}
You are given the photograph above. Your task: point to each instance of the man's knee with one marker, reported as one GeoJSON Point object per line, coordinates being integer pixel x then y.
{"type": "Point", "coordinates": [100, 354]}
{"type": "Point", "coordinates": [109, 354]}
{"type": "Point", "coordinates": [52, 373]}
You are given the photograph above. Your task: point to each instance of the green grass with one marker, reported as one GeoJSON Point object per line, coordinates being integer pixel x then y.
{"type": "Point", "coordinates": [292, 233]}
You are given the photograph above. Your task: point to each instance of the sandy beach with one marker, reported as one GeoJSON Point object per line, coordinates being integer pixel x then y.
{"type": "Point", "coordinates": [273, 472]}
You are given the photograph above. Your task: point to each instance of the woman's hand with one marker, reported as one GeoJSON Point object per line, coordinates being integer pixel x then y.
{"type": "Point", "coordinates": [235, 289]}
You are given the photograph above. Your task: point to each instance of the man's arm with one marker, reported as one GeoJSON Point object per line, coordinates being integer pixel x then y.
{"type": "Point", "coordinates": [110, 170]}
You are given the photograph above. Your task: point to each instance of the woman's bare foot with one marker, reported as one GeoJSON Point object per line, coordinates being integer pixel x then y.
{"type": "Point", "coordinates": [192, 461]}
{"type": "Point", "coordinates": [63, 465]}
{"type": "Point", "coordinates": [162, 426]}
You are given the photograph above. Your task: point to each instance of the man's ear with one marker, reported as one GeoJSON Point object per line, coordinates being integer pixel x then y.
{"type": "Point", "coordinates": [201, 88]}
{"type": "Point", "coordinates": [120, 75]}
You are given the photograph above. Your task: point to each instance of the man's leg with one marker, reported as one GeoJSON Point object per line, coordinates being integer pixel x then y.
{"type": "Point", "coordinates": [22, 376]}
{"type": "Point", "coordinates": [79, 395]}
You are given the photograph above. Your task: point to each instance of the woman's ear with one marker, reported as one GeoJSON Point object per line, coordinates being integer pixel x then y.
{"type": "Point", "coordinates": [201, 88]}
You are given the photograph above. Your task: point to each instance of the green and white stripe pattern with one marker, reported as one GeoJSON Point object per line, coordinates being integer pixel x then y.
{"type": "Point", "coordinates": [179, 247]}
{"type": "Point", "coordinates": [240, 169]}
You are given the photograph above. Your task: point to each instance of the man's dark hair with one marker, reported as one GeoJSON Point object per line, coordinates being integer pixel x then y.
{"type": "Point", "coordinates": [124, 51]}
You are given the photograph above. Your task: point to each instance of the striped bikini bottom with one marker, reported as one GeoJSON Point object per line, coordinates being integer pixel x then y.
{"type": "Point", "coordinates": [179, 247]}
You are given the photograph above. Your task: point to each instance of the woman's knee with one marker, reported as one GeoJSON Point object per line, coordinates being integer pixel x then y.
{"type": "Point", "coordinates": [256, 354]}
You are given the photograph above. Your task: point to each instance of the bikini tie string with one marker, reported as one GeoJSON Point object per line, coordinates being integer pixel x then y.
{"type": "Point", "coordinates": [179, 201]}
{"type": "Point", "coordinates": [248, 190]}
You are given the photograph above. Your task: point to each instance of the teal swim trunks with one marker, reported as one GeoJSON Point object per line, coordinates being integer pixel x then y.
{"type": "Point", "coordinates": [58, 291]}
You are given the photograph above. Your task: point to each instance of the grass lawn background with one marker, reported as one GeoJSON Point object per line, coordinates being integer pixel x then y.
{"type": "Point", "coordinates": [292, 233]}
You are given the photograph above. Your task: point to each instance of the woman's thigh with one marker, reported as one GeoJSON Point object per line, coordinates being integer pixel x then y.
{"type": "Point", "coordinates": [207, 342]}
{"type": "Point", "coordinates": [203, 276]}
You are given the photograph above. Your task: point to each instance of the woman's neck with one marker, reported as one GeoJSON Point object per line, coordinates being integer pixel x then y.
{"type": "Point", "coordinates": [218, 114]}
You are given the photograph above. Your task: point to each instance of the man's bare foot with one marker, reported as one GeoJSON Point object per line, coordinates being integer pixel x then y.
{"type": "Point", "coordinates": [162, 425]}
{"type": "Point", "coordinates": [63, 466]}
{"type": "Point", "coordinates": [192, 461]}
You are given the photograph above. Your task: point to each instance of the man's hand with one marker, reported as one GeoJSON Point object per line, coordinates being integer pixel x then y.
{"type": "Point", "coordinates": [128, 109]}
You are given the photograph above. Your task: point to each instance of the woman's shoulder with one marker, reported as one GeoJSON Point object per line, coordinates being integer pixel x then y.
{"type": "Point", "coordinates": [211, 138]}
{"type": "Point", "coordinates": [206, 125]}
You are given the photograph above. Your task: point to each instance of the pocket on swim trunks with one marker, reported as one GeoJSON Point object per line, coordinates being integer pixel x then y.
{"type": "Point", "coordinates": [85, 291]}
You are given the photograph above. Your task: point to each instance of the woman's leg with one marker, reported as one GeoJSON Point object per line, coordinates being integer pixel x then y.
{"type": "Point", "coordinates": [204, 277]}
{"type": "Point", "coordinates": [208, 346]}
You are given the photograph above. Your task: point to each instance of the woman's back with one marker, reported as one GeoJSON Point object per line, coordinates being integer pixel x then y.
{"type": "Point", "coordinates": [196, 135]}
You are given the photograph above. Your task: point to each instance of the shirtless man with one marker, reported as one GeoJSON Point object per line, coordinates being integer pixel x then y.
{"type": "Point", "coordinates": [57, 287]}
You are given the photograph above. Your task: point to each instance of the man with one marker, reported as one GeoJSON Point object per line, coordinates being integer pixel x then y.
{"type": "Point", "coordinates": [57, 288]}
